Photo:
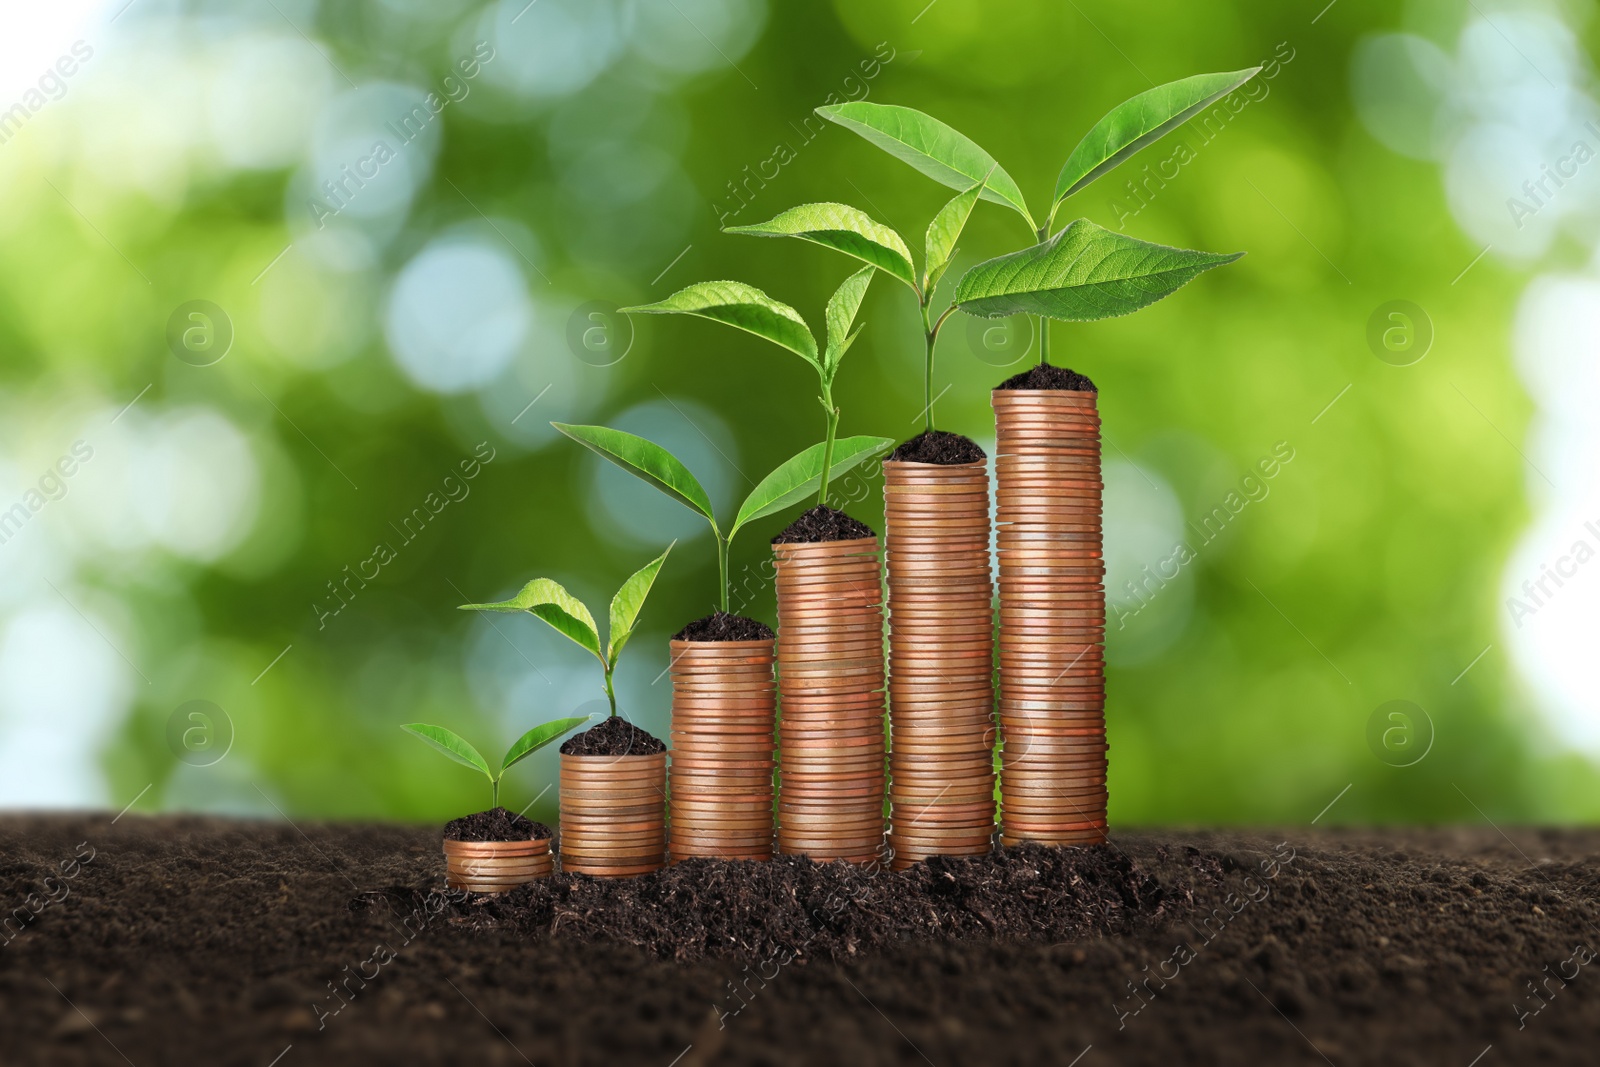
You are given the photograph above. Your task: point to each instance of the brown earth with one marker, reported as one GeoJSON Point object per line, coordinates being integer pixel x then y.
{"type": "Point", "coordinates": [188, 940]}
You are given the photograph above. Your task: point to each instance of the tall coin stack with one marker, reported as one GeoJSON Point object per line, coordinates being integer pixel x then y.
{"type": "Point", "coordinates": [941, 660]}
{"type": "Point", "coordinates": [1052, 617]}
{"type": "Point", "coordinates": [830, 684]}
{"type": "Point", "coordinates": [723, 704]}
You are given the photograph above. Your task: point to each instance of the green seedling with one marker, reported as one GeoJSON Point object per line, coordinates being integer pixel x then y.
{"type": "Point", "coordinates": [749, 309]}
{"type": "Point", "coordinates": [790, 483]}
{"type": "Point", "coordinates": [567, 615]}
{"type": "Point", "coordinates": [457, 748]}
{"type": "Point", "coordinates": [1081, 273]}
{"type": "Point", "coordinates": [855, 233]}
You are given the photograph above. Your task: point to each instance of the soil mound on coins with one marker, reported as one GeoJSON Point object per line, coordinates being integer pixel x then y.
{"type": "Point", "coordinates": [496, 824]}
{"type": "Point", "coordinates": [1049, 376]}
{"type": "Point", "coordinates": [724, 626]}
{"type": "Point", "coordinates": [702, 907]}
{"type": "Point", "coordinates": [937, 446]}
{"type": "Point", "coordinates": [823, 524]}
{"type": "Point", "coordinates": [613, 737]}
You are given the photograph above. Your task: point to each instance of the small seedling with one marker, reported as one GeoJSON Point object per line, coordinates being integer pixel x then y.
{"type": "Point", "coordinates": [749, 309]}
{"type": "Point", "coordinates": [1082, 273]}
{"type": "Point", "coordinates": [567, 615]}
{"type": "Point", "coordinates": [457, 748]}
{"type": "Point", "coordinates": [792, 481]}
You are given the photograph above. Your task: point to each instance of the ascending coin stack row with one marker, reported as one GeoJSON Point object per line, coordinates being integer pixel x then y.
{"type": "Point", "coordinates": [723, 704]}
{"type": "Point", "coordinates": [1052, 617]}
{"type": "Point", "coordinates": [941, 652]}
{"type": "Point", "coordinates": [830, 681]}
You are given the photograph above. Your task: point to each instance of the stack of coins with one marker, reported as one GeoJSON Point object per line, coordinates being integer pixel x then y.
{"type": "Point", "coordinates": [1052, 617]}
{"type": "Point", "coordinates": [496, 866]}
{"type": "Point", "coordinates": [830, 682]}
{"type": "Point", "coordinates": [613, 814]}
{"type": "Point", "coordinates": [723, 704]}
{"type": "Point", "coordinates": [941, 660]}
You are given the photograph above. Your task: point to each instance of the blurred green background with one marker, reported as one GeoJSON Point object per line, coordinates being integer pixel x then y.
{"type": "Point", "coordinates": [385, 316]}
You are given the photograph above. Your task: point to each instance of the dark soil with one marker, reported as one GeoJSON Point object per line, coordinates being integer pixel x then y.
{"type": "Point", "coordinates": [208, 941]}
{"type": "Point", "coordinates": [937, 446]}
{"type": "Point", "coordinates": [615, 736]}
{"type": "Point", "coordinates": [1049, 376]}
{"type": "Point", "coordinates": [496, 824]}
{"type": "Point", "coordinates": [725, 626]}
{"type": "Point", "coordinates": [823, 524]}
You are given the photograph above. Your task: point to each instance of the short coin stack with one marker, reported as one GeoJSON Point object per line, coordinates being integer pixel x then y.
{"type": "Point", "coordinates": [1052, 617]}
{"type": "Point", "coordinates": [830, 681]}
{"type": "Point", "coordinates": [613, 814]}
{"type": "Point", "coordinates": [496, 866]}
{"type": "Point", "coordinates": [941, 660]}
{"type": "Point", "coordinates": [723, 704]}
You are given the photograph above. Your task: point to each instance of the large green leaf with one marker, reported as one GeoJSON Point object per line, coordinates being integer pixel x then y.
{"type": "Point", "coordinates": [944, 231]}
{"type": "Point", "coordinates": [843, 229]}
{"type": "Point", "coordinates": [742, 306]}
{"type": "Point", "coordinates": [841, 315]}
{"type": "Point", "coordinates": [626, 604]}
{"type": "Point", "coordinates": [796, 479]}
{"type": "Point", "coordinates": [549, 601]}
{"type": "Point", "coordinates": [1139, 121]}
{"type": "Point", "coordinates": [452, 745]}
{"type": "Point", "coordinates": [537, 738]}
{"type": "Point", "coordinates": [1083, 273]}
{"type": "Point", "coordinates": [944, 154]}
{"type": "Point", "coordinates": [645, 460]}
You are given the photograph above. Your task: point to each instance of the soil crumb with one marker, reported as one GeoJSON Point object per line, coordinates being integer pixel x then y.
{"type": "Point", "coordinates": [937, 446]}
{"type": "Point", "coordinates": [496, 824]}
{"type": "Point", "coordinates": [615, 736]}
{"type": "Point", "coordinates": [1049, 376]}
{"type": "Point", "coordinates": [823, 524]}
{"type": "Point", "coordinates": [701, 908]}
{"type": "Point", "coordinates": [725, 626]}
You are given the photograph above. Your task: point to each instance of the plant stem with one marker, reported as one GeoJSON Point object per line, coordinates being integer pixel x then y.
{"type": "Point", "coordinates": [1044, 323]}
{"type": "Point", "coordinates": [929, 334]}
{"type": "Point", "coordinates": [827, 448]}
{"type": "Point", "coordinates": [494, 793]}
{"type": "Point", "coordinates": [611, 694]}
{"type": "Point", "coordinates": [722, 568]}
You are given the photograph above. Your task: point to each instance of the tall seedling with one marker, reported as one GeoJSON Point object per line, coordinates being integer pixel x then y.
{"type": "Point", "coordinates": [855, 233]}
{"type": "Point", "coordinates": [1083, 272]}
{"type": "Point", "coordinates": [749, 309]}
{"type": "Point", "coordinates": [791, 482]}
{"type": "Point", "coordinates": [567, 615]}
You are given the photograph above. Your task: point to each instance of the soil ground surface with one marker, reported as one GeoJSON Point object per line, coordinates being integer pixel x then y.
{"type": "Point", "coordinates": [164, 940]}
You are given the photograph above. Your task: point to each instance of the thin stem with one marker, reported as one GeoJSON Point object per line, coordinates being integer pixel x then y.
{"type": "Point", "coordinates": [929, 335]}
{"type": "Point", "coordinates": [611, 694]}
{"type": "Point", "coordinates": [1044, 323]}
{"type": "Point", "coordinates": [494, 792]}
{"type": "Point", "coordinates": [827, 448]}
{"type": "Point", "coordinates": [722, 568]}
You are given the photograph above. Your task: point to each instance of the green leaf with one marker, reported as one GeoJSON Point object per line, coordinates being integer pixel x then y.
{"type": "Point", "coordinates": [452, 745]}
{"type": "Point", "coordinates": [796, 479]}
{"type": "Point", "coordinates": [1140, 121]}
{"type": "Point", "coordinates": [549, 601]}
{"type": "Point", "coordinates": [843, 229]}
{"type": "Point", "coordinates": [942, 153]}
{"type": "Point", "coordinates": [944, 231]}
{"type": "Point", "coordinates": [646, 460]}
{"type": "Point", "coordinates": [626, 604]}
{"type": "Point", "coordinates": [744, 307]}
{"type": "Point", "coordinates": [1083, 273]}
{"type": "Point", "coordinates": [537, 738]}
{"type": "Point", "coordinates": [841, 315]}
